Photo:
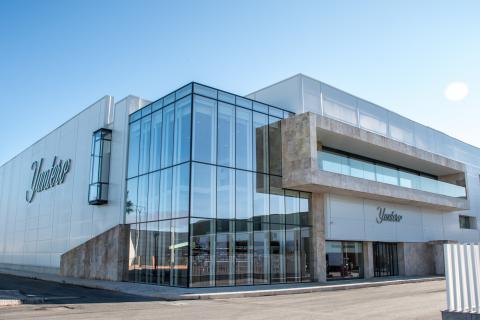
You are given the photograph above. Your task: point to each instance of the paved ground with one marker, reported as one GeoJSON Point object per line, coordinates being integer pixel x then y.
{"type": "Point", "coordinates": [403, 301]}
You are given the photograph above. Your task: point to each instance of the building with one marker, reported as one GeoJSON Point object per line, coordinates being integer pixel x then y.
{"type": "Point", "coordinates": [296, 182]}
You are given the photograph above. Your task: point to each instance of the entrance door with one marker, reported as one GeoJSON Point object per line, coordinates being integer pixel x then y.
{"type": "Point", "coordinates": [385, 259]}
{"type": "Point", "coordinates": [344, 260]}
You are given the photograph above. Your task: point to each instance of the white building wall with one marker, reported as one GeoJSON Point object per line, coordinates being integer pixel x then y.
{"type": "Point", "coordinates": [350, 218]}
{"type": "Point", "coordinates": [60, 218]}
{"type": "Point", "coordinates": [302, 94]}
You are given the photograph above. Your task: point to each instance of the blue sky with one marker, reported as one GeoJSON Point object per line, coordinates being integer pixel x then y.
{"type": "Point", "coordinates": [57, 57]}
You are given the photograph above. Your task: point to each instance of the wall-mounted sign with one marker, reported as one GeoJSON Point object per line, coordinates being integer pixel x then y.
{"type": "Point", "coordinates": [43, 180]}
{"type": "Point", "coordinates": [389, 217]}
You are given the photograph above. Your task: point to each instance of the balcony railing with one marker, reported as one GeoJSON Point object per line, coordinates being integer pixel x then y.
{"type": "Point", "coordinates": [339, 163]}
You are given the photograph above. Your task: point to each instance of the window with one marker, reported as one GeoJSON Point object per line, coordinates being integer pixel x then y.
{"type": "Point", "coordinates": [225, 253]}
{"type": "Point", "coordinates": [133, 149]}
{"type": "Point", "coordinates": [153, 195]}
{"type": "Point", "coordinates": [226, 135]}
{"type": "Point", "coordinates": [203, 190]}
{"type": "Point", "coordinates": [167, 136]}
{"type": "Point", "coordinates": [467, 222]}
{"type": "Point", "coordinates": [180, 190]}
{"type": "Point", "coordinates": [344, 259]}
{"type": "Point", "coordinates": [225, 193]}
{"type": "Point", "coordinates": [100, 167]}
{"type": "Point", "coordinates": [165, 210]}
{"type": "Point", "coordinates": [244, 252]}
{"type": "Point", "coordinates": [243, 139]}
{"type": "Point", "coordinates": [144, 165]}
{"type": "Point", "coordinates": [156, 141]}
{"type": "Point", "coordinates": [181, 145]}
{"type": "Point", "coordinates": [142, 198]}
{"type": "Point", "coordinates": [202, 253]}
{"type": "Point", "coordinates": [131, 201]}
{"type": "Point", "coordinates": [260, 142]}
{"type": "Point", "coordinates": [205, 127]}
{"type": "Point", "coordinates": [244, 195]}
{"type": "Point", "coordinates": [275, 146]}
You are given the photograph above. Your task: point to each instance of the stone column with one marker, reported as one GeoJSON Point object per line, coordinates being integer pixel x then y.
{"type": "Point", "coordinates": [368, 271]}
{"type": "Point", "coordinates": [401, 258]}
{"type": "Point", "coordinates": [318, 237]}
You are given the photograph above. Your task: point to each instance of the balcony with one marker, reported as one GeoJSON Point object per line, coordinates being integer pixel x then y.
{"type": "Point", "coordinates": [400, 173]}
{"type": "Point", "coordinates": [342, 164]}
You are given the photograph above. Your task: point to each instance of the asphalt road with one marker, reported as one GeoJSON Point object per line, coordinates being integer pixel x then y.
{"type": "Point", "coordinates": [403, 301]}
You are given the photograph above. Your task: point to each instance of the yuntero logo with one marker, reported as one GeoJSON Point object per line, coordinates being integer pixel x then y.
{"type": "Point", "coordinates": [389, 217]}
{"type": "Point", "coordinates": [43, 180]}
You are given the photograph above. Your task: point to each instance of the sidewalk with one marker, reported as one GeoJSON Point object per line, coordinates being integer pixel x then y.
{"type": "Point", "coordinates": [173, 293]}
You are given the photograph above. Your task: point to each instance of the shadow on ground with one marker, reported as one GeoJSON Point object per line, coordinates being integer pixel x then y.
{"type": "Point", "coordinates": [60, 293]}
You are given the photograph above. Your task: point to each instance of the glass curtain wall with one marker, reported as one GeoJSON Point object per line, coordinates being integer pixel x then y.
{"type": "Point", "coordinates": [205, 198]}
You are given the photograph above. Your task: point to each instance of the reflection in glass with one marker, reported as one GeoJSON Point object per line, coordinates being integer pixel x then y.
{"type": "Point", "coordinates": [133, 254]}
{"type": "Point", "coordinates": [142, 202]}
{"type": "Point", "coordinates": [344, 259]}
{"type": "Point", "coordinates": [260, 142]}
{"type": "Point", "coordinates": [203, 190]}
{"type": "Point", "coordinates": [292, 253]}
{"type": "Point", "coordinates": [180, 190]}
{"type": "Point", "coordinates": [275, 146]}
{"type": "Point", "coordinates": [164, 252]}
{"type": "Point", "coordinates": [261, 253]}
{"type": "Point", "coordinates": [179, 249]}
{"type": "Point", "coordinates": [156, 141]}
{"type": "Point", "coordinates": [277, 252]}
{"type": "Point", "coordinates": [305, 213]}
{"type": "Point", "coordinates": [306, 255]}
{"type": "Point", "coordinates": [225, 253]}
{"type": "Point", "coordinates": [140, 269]}
{"type": "Point", "coordinates": [226, 135]}
{"type": "Point", "coordinates": [131, 201]}
{"type": "Point", "coordinates": [225, 193]}
{"type": "Point", "coordinates": [167, 136]}
{"type": "Point", "coordinates": [277, 201]}
{"type": "Point", "coordinates": [151, 255]}
{"type": "Point", "coordinates": [153, 195]}
{"type": "Point", "coordinates": [204, 130]}
{"type": "Point", "coordinates": [261, 198]}
{"type": "Point", "coordinates": [144, 164]}
{"type": "Point", "coordinates": [244, 194]}
{"type": "Point", "coordinates": [166, 181]}
{"type": "Point", "coordinates": [244, 253]}
{"type": "Point", "coordinates": [292, 206]}
{"type": "Point", "coordinates": [133, 149]}
{"type": "Point", "coordinates": [202, 252]}
{"type": "Point", "coordinates": [244, 139]}
{"type": "Point", "coordinates": [181, 149]}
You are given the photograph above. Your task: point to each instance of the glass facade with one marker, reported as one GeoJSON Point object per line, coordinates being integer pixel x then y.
{"type": "Point", "coordinates": [205, 198]}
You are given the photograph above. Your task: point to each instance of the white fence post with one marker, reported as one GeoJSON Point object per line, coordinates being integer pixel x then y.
{"type": "Point", "coordinates": [462, 275]}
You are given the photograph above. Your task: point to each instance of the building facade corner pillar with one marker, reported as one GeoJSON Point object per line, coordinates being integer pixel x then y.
{"type": "Point", "coordinates": [368, 268]}
{"type": "Point", "coordinates": [318, 232]}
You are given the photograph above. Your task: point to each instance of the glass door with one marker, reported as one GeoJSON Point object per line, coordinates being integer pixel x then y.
{"type": "Point", "coordinates": [385, 259]}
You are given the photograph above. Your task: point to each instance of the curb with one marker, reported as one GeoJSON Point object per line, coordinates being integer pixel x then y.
{"type": "Point", "coordinates": [286, 291]}
{"type": "Point", "coordinates": [169, 294]}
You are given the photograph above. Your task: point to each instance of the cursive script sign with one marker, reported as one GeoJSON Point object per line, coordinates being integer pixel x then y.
{"type": "Point", "coordinates": [43, 180]}
{"type": "Point", "coordinates": [389, 217]}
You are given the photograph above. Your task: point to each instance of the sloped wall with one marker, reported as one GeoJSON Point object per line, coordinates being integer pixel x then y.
{"type": "Point", "coordinates": [104, 257]}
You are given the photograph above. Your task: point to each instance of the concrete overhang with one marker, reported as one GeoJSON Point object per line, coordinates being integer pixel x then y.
{"type": "Point", "coordinates": [304, 134]}
{"type": "Point", "coordinates": [342, 136]}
